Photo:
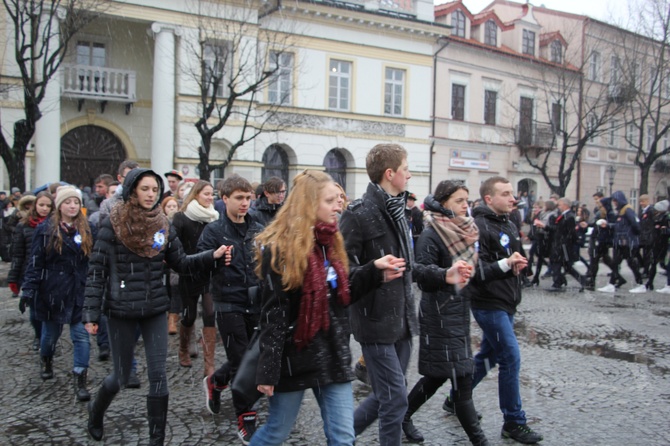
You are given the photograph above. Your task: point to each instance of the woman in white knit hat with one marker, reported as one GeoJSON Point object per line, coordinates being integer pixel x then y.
{"type": "Point", "coordinates": [55, 281]}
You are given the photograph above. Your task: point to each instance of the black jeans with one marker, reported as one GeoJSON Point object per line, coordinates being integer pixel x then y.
{"type": "Point", "coordinates": [235, 330]}
{"type": "Point", "coordinates": [426, 387]}
{"type": "Point", "coordinates": [190, 291]}
{"type": "Point", "coordinates": [627, 253]}
{"type": "Point", "coordinates": [600, 251]}
{"type": "Point", "coordinates": [122, 340]}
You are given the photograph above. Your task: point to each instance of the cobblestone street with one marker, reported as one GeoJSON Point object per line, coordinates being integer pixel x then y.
{"type": "Point", "coordinates": [595, 371]}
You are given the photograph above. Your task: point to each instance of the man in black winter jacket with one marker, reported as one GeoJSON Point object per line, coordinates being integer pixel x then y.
{"type": "Point", "coordinates": [495, 292]}
{"type": "Point", "coordinates": [384, 320]}
{"type": "Point", "coordinates": [235, 293]}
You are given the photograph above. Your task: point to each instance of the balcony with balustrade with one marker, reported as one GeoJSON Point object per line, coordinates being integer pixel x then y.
{"type": "Point", "coordinates": [100, 84]}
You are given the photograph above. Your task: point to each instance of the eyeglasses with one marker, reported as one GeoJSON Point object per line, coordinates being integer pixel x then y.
{"type": "Point", "coordinates": [281, 192]}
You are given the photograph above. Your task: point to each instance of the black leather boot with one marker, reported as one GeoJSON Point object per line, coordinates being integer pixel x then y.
{"type": "Point", "coordinates": [467, 416]}
{"type": "Point", "coordinates": [411, 432]}
{"type": "Point", "coordinates": [47, 371]}
{"type": "Point", "coordinates": [80, 386]}
{"type": "Point", "coordinates": [96, 412]}
{"type": "Point", "coordinates": [157, 407]}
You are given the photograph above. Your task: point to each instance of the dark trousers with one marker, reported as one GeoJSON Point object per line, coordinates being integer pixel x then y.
{"type": "Point", "coordinates": [235, 330]}
{"type": "Point", "coordinates": [386, 365]}
{"type": "Point", "coordinates": [122, 340]}
{"type": "Point", "coordinates": [658, 252]}
{"type": "Point", "coordinates": [600, 251]}
{"type": "Point", "coordinates": [627, 253]}
{"type": "Point", "coordinates": [426, 387]}
{"type": "Point", "coordinates": [190, 291]}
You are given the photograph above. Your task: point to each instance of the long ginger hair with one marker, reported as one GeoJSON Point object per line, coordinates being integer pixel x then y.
{"type": "Point", "coordinates": [290, 236]}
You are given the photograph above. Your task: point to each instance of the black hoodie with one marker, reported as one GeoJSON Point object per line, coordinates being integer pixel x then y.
{"type": "Point", "coordinates": [491, 288]}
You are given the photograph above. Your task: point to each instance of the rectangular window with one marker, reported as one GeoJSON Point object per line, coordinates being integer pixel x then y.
{"type": "Point", "coordinates": [491, 33]}
{"type": "Point", "coordinates": [91, 54]}
{"type": "Point", "coordinates": [556, 117]}
{"type": "Point", "coordinates": [526, 121]}
{"type": "Point", "coordinates": [650, 137]}
{"type": "Point", "coordinates": [630, 134]}
{"type": "Point", "coordinates": [614, 70]}
{"type": "Point", "coordinates": [594, 66]}
{"type": "Point", "coordinates": [394, 89]}
{"type": "Point", "coordinates": [633, 198]}
{"type": "Point", "coordinates": [591, 126]}
{"type": "Point", "coordinates": [217, 59]}
{"type": "Point", "coordinates": [611, 140]}
{"type": "Point", "coordinates": [636, 76]}
{"type": "Point", "coordinates": [458, 102]}
{"type": "Point", "coordinates": [490, 103]}
{"type": "Point", "coordinates": [556, 51]}
{"type": "Point", "coordinates": [666, 84]}
{"type": "Point", "coordinates": [458, 24]}
{"type": "Point", "coordinates": [281, 83]}
{"type": "Point", "coordinates": [528, 44]}
{"type": "Point", "coordinates": [339, 86]}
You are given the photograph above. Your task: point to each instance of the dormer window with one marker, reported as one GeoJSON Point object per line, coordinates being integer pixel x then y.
{"type": "Point", "coordinates": [556, 51]}
{"type": "Point", "coordinates": [528, 43]}
{"type": "Point", "coordinates": [458, 24]}
{"type": "Point", "coordinates": [491, 33]}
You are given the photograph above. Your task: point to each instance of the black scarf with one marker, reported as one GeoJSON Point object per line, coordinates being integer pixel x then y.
{"type": "Point", "coordinates": [395, 206]}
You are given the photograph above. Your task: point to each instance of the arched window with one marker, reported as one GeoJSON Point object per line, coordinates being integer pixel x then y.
{"type": "Point", "coordinates": [275, 163]}
{"type": "Point", "coordinates": [336, 167]}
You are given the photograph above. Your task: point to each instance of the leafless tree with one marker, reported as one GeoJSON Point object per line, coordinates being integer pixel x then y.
{"type": "Point", "coordinates": [572, 111]}
{"type": "Point", "coordinates": [241, 54]}
{"type": "Point", "coordinates": [39, 49]}
{"type": "Point", "coordinates": [645, 74]}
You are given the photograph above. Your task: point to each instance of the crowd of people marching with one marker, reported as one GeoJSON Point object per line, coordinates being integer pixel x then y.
{"type": "Point", "coordinates": [302, 271]}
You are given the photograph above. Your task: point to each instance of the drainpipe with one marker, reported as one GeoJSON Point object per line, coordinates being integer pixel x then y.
{"type": "Point", "coordinates": [432, 144]}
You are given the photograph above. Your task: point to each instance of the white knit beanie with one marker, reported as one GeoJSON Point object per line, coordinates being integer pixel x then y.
{"type": "Point", "coordinates": [65, 192]}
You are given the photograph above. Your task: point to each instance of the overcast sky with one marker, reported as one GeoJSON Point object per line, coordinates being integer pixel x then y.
{"type": "Point", "coordinates": [615, 11]}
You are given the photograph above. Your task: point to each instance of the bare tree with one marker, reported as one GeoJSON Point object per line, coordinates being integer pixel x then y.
{"type": "Point", "coordinates": [646, 76]}
{"type": "Point", "coordinates": [576, 110]}
{"type": "Point", "coordinates": [39, 50]}
{"type": "Point", "coordinates": [238, 58]}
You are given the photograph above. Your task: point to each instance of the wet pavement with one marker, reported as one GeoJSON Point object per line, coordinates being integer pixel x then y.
{"type": "Point", "coordinates": [595, 371]}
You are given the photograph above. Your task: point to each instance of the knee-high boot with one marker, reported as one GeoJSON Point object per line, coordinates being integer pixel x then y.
{"type": "Point", "coordinates": [185, 335]}
{"type": "Point", "coordinates": [467, 416]}
{"type": "Point", "coordinates": [157, 407]}
{"type": "Point", "coordinates": [96, 412]}
{"type": "Point", "coordinates": [208, 349]}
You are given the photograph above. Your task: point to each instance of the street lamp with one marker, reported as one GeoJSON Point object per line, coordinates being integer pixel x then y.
{"type": "Point", "coordinates": [611, 170]}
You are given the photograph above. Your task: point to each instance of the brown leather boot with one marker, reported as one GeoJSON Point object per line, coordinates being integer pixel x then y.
{"type": "Point", "coordinates": [208, 348]}
{"type": "Point", "coordinates": [173, 319]}
{"type": "Point", "coordinates": [192, 344]}
{"type": "Point", "coordinates": [185, 334]}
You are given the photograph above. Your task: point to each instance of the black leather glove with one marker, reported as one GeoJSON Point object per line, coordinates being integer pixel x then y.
{"type": "Point", "coordinates": [23, 303]}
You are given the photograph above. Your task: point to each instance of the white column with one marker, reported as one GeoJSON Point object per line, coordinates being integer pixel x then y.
{"type": "Point", "coordinates": [163, 97]}
{"type": "Point", "coordinates": [47, 128]}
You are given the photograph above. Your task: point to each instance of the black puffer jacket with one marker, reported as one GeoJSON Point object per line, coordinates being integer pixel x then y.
{"type": "Point", "coordinates": [564, 238]}
{"type": "Point", "coordinates": [444, 318]}
{"type": "Point", "coordinates": [387, 313]}
{"type": "Point", "coordinates": [189, 232]}
{"type": "Point", "coordinates": [21, 243]}
{"type": "Point", "coordinates": [325, 360]}
{"type": "Point", "coordinates": [491, 288]}
{"type": "Point", "coordinates": [133, 287]}
{"type": "Point", "coordinates": [229, 285]}
{"type": "Point", "coordinates": [264, 212]}
{"type": "Point", "coordinates": [647, 224]}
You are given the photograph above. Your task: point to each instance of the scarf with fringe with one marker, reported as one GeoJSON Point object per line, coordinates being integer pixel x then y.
{"type": "Point", "coordinates": [141, 231]}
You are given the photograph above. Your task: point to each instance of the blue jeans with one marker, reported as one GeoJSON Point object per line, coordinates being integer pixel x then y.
{"type": "Point", "coordinates": [499, 346]}
{"type": "Point", "coordinates": [386, 365]}
{"type": "Point", "coordinates": [337, 412]}
{"type": "Point", "coordinates": [81, 345]}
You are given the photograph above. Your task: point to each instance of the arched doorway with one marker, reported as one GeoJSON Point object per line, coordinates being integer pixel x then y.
{"type": "Point", "coordinates": [89, 151]}
{"type": "Point", "coordinates": [275, 163]}
{"type": "Point", "coordinates": [336, 167]}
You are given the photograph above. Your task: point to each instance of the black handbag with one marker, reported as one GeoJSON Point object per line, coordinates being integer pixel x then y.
{"type": "Point", "coordinates": [244, 386]}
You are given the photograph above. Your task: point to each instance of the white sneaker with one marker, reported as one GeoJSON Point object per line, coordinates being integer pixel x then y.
{"type": "Point", "coordinates": [664, 290]}
{"type": "Point", "coordinates": [638, 289]}
{"type": "Point", "coordinates": [609, 288]}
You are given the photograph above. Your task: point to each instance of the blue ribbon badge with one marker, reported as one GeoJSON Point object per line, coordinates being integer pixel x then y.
{"type": "Point", "coordinates": [159, 239]}
{"type": "Point", "coordinates": [331, 275]}
{"type": "Point", "coordinates": [77, 238]}
{"type": "Point", "coordinates": [504, 240]}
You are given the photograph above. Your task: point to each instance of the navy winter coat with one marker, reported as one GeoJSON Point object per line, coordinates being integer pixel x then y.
{"type": "Point", "coordinates": [22, 240]}
{"type": "Point", "coordinates": [55, 281]}
{"type": "Point", "coordinates": [626, 228]}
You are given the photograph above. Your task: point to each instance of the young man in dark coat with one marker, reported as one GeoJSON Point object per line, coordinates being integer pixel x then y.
{"type": "Point", "coordinates": [647, 239]}
{"type": "Point", "coordinates": [495, 293]}
{"type": "Point", "coordinates": [384, 320]}
{"type": "Point", "coordinates": [563, 254]}
{"type": "Point", "coordinates": [234, 290]}
{"type": "Point", "coordinates": [274, 193]}
{"type": "Point", "coordinates": [626, 241]}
